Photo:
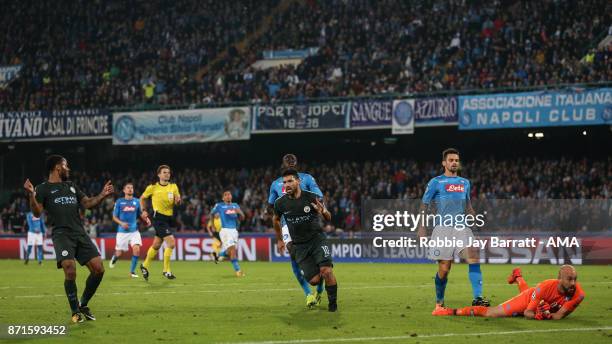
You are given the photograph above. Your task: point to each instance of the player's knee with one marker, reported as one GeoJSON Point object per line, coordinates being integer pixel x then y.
{"type": "Point", "coordinates": [315, 280]}
{"type": "Point", "coordinates": [136, 250]}
{"type": "Point", "coordinates": [98, 269]}
{"type": "Point", "coordinates": [326, 272]}
{"type": "Point", "coordinates": [69, 271]}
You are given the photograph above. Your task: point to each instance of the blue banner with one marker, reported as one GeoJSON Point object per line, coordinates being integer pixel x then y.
{"type": "Point", "coordinates": [303, 117]}
{"type": "Point", "coordinates": [55, 125]}
{"type": "Point", "coordinates": [181, 126]}
{"type": "Point", "coordinates": [435, 111]}
{"type": "Point", "coordinates": [371, 113]}
{"type": "Point", "coordinates": [536, 109]}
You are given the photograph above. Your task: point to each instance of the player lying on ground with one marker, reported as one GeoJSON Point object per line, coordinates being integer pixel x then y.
{"type": "Point", "coordinates": [552, 299]}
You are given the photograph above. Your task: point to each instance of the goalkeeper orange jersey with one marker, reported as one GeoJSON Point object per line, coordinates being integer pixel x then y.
{"type": "Point", "coordinates": [549, 292]}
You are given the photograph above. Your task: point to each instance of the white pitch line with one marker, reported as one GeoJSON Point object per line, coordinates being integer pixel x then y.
{"type": "Point", "coordinates": [417, 337]}
{"type": "Point", "coordinates": [254, 290]}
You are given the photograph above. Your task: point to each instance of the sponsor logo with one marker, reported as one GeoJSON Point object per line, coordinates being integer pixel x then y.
{"type": "Point", "coordinates": [454, 188]}
{"type": "Point", "coordinates": [65, 200]}
{"type": "Point", "coordinates": [129, 208]}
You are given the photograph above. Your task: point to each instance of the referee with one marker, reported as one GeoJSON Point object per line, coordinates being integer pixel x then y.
{"type": "Point", "coordinates": [61, 199]}
{"type": "Point", "coordinates": [164, 195]}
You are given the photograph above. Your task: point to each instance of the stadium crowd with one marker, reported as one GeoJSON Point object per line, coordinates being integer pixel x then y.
{"type": "Point", "coordinates": [116, 53]}
{"type": "Point", "coordinates": [345, 188]}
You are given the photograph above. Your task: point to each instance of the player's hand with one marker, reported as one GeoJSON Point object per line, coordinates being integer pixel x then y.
{"type": "Point", "coordinates": [318, 206]}
{"type": "Point", "coordinates": [29, 188]}
{"type": "Point", "coordinates": [177, 199]}
{"type": "Point", "coordinates": [108, 189]}
{"type": "Point", "coordinates": [543, 311]}
{"type": "Point", "coordinates": [145, 218]}
{"type": "Point", "coordinates": [125, 225]}
{"type": "Point", "coordinates": [280, 245]}
{"type": "Point", "coordinates": [144, 214]}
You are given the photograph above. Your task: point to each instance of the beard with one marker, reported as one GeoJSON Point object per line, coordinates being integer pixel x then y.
{"type": "Point", "coordinates": [64, 176]}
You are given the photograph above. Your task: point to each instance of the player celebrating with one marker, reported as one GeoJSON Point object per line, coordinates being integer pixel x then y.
{"type": "Point", "coordinates": [283, 238]}
{"type": "Point", "coordinates": [229, 213]}
{"type": "Point", "coordinates": [450, 194]}
{"type": "Point", "coordinates": [164, 195]}
{"type": "Point", "coordinates": [36, 232]}
{"type": "Point", "coordinates": [552, 299]}
{"type": "Point", "coordinates": [61, 200]}
{"type": "Point", "coordinates": [301, 210]}
{"type": "Point", "coordinates": [125, 215]}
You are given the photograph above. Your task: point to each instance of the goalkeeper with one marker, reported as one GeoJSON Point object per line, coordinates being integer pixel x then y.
{"type": "Point", "coordinates": [552, 299]}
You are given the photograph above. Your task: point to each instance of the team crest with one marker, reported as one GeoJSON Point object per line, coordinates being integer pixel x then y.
{"type": "Point", "coordinates": [307, 209]}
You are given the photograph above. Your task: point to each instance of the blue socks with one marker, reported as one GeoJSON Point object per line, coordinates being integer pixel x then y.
{"type": "Point", "coordinates": [235, 264]}
{"type": "Point", "coordinates": [440, 287]}
{"type": "Point", "coordinates": [320, 286]}
{"type": "Point", "coordinates": [133, 265]}
{"type": "Point", "coordinates": [300, 277]}
{"type": "Point", "coordinates": [476, 279]}
{"type": "Point", "coordinates": [39, 252]}
{"type": "Point", "coordinates": [222, 254]}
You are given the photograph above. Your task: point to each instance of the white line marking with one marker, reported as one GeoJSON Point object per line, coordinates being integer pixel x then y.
{"type": "Point", "coordinates": [251, 290]}
{"type": "Point", "coordinates": [417, 337]}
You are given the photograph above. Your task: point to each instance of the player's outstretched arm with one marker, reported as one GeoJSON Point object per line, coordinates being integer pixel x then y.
{"type": "Point", "coordinates": [36, 207]}
{"type": "Point", "coordinates": [90, 202]}
{"type": "Point", "coordinates": [320, 208]}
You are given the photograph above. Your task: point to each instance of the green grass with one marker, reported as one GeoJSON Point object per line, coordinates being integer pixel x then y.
{"type": "Point", "coordinates": [206, 303]}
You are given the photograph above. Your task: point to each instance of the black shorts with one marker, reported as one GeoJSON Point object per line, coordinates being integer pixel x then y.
{"type": "Point", "coordinates": [216, 235]}
{"type": "Point", "coordinates": [72, 244]}
{"type": "Point", "coordinates": [163, 225]}
{"type": "Point", "coordinates": [312, 255]}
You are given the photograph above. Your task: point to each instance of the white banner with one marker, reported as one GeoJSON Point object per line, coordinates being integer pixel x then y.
{"type": "Point", "coordinates": [181, 126]}
{"type": "Point", "coordinates": [403, 117]}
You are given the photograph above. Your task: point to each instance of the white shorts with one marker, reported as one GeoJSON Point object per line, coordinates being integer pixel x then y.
{"type": "Point", "coordinates": [125, 240]}
{"type": "Point", "coordinates": [448, 252]}
{"type": "Point", "coordinates": [229, 238]}
{"type": "Point", "coordinates": [286, 235]}
{"type": "Point", "coordinates": [35, 239]}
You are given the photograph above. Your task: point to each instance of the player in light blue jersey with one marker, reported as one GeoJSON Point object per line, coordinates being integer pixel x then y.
{"type": "Point", "coordinates": [229, 213]}
{"type": "Point", "coordinates": [125, 215]}
{"type": "Point", "coordinates": [36, 233]}
{"type": "Point", "coordinates": [308, 183]}
{"type": "Point", "coordinates": [449, 194]}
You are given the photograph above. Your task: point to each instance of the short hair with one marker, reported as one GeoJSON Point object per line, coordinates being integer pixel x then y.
{"type": "Point", "coordinates": [52, 161]}
{"type": "Point", "coordinates": [448, 151]}
{"type": "Point", "coordinates": [291, 172]}
{"type": "Point", "coordinates": [128, 183]}
{"type": "Point", "coordinates": [161, 167]}
{"type": "Point", "coordinates": [290, 159]}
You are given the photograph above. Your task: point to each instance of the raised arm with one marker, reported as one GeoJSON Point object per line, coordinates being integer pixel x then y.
{"type": "Point", "coordinates": [35, 206]}
{"type": "Point", "coordinates": [90, 202]}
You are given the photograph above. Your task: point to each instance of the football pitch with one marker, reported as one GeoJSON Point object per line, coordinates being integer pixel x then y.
{"type": "Point", "coordinates": [388, 303]}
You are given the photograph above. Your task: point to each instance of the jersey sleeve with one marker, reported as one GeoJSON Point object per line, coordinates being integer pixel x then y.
{"type": "Point", "coordinates": [148, 192]}
{"type": "Point", "coordinates": [79, 193]}
{"type": "Point", "coordinates": [311, 185]}
{"type": "Point", "coordinates": [176, 190]}
{"type": "Point", "coordinates": [430, 192]}
{"type": "Point", "coordinates": [138, 209]}
{"type": "Point", "coordinates": [278, 209]}
{"type": "Point", "coordinates": [468, 190]}
{"type": "Point", "coordinates": [116, 209]}
{"type": "Point", "coordinates": [273, 196]}
{"type": "Point", "coordinates": [40, 194]}
{"type": "Point", "coordinates": [575, 301]}
{"type": "Point", "coordinates": [536, 296]}
{"type": "Point", "coordinates": [215, 209]}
